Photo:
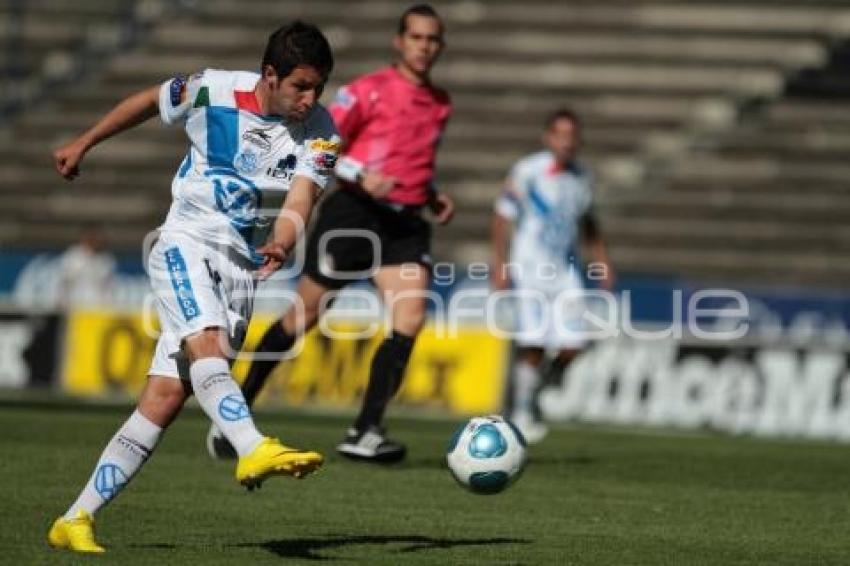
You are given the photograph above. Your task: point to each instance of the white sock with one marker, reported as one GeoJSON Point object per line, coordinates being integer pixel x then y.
{"type": "Point", "coordinates": [131, 446]}
{"type": "Point", "coordinates": [526, 382]}
{"type": "Point", "coordinates": [223, 402]}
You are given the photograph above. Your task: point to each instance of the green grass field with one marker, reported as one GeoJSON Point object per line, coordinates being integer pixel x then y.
{"type": "Point", "coordinates": [589, 496]}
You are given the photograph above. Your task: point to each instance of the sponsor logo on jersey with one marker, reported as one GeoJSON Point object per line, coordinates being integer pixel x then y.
{"type": "Point", "coordinates": [324, 145]}
{"type": "Point", "coordinates": [259, 137]}
{"type": "Point", "coordinates": [324, 160]}
{"type": "Point", "coordinates": [284, 168]}
{"type": "Point", "coordinates": [246, 162]}
{"type": "Point", "coordinates": [180, 282]}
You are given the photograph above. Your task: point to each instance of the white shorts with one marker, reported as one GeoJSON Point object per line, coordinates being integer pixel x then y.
{"type": "Point", "coordinates": [550, 314]}
{"type": "Point", "coordinates": [196, 286]}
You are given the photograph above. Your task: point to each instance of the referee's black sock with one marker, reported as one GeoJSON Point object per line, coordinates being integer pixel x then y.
{"type": "Point", "coordinates": [388, 367]}
{"type": "Point", "coordinates": [274, 343]}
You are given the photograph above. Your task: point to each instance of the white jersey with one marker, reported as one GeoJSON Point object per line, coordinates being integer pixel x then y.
{"type": "Point", "coordinates": [545, 204]}
{"type": "Point", "coordinates": [85, 277]}
{"type": "Point", "coordinates": [236, 157]}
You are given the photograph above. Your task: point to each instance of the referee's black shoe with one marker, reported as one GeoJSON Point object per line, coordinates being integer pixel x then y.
{"type": "Point", "coordinates": [371, 445]}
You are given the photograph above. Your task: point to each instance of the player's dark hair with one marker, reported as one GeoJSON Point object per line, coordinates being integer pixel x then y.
{"type": "Point", "coordinates": [298, 43]}
{"type": "Point", "coordinates": [562, 114]}
{"type": "Point", "coordinates": [418, 10]}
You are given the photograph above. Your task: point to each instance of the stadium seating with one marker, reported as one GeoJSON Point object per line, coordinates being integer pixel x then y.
{"type": "Point", "coordinates": [49, 42]}
{"type": "Point", "coordinates": [707, 168]}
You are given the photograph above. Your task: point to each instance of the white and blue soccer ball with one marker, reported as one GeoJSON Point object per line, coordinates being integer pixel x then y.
{"type": "Point", "coordinates": [487, 454]}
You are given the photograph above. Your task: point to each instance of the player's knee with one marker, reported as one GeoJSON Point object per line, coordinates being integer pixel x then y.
{"type": "Point", "coordinates": [298, 321]}
{"type": "Point", "coordinates": [531, 356]}
{"type": "Point", "coordinates": [409, 320]}
{"type": "Point", "coordinates": [311, 315]}
{"type": "Point", "coordinates": [162, 399]}
{"type": "Point", "coordinates": [171, 401]}
{"type": "Point", "coordinates": [567, 355]}
{"type": "Point", "coordinates": [209, 343]}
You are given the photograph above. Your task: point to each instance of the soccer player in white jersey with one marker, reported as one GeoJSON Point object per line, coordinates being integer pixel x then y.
{"type": "Point", "coordinates": [547, 203]}
{"type": "Point", "coordinates": [250, 134]}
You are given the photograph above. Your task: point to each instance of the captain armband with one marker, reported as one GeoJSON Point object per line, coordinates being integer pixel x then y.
{"type": "Point", "coordinates": [171, 107]}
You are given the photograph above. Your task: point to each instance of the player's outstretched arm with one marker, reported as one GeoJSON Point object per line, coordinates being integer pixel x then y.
{"type": "Point", "coordinates": [289, 225]}
{"type": "Point", "coordinates": [131, 111]}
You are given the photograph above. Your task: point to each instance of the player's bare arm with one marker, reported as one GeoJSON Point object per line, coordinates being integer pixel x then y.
{"type": "Point", "coordinates": [500, 228]}
{"type": "Point", "coordinates": [130, 112]}
{"type": "Point", "coordinates": [593, 239]}
{"type": "Point", "coordinates": [289, 224]}
{"type": "Point", "coordinates": [376, 183]}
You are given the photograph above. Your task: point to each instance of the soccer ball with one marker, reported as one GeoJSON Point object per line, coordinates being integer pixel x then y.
{"type": "Point", "coordinates": [487, 454]}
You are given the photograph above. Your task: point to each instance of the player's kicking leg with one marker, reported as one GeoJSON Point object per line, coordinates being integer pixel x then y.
{"type": "Point", "coordinates": [278, 339]}
{"type": "Point", "coordinates": [122, 458]}
{"type": "Point", "coordinates": [219, 396]}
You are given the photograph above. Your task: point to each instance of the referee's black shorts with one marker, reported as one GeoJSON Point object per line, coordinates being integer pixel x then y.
{"type": "Point", "coordinates": [355, 234]}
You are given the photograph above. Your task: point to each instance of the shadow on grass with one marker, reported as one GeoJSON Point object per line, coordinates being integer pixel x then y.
{"type": "Point", "coordinates": [155, 546]}
{"type": "Point", "coordinates": [309, 548]}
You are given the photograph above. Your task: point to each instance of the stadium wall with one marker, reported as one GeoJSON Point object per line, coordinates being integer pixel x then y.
{"type": "Point", "coordinates": [770, 390]}
{"type": "Point", "coordinates": [787, 375]}
{"type": "Point", "coordinates": [754, 386]}
{"type": "Point", "coordinates": [108, 353]}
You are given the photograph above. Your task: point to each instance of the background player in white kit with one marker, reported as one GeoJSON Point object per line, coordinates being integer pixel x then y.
{"type": "Point", "coordinates": [250, 134]}
{"type": "Point", "coordinates": [548, 203]}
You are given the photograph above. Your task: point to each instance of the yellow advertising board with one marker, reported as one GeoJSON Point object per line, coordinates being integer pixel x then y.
{"type": "Point", "coordinates": [105, 353]}
{"type": "Point", "coordinates": [111, 352]}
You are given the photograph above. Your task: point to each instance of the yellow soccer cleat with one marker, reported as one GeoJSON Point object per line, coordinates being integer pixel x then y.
{"type": "Point", "coordinates": [75, 534]}
{"type": "Point", "coordinates": [273, 458]}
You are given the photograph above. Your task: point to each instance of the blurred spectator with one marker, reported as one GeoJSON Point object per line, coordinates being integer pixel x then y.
{"type": "Point", "coordinates": [86, 272]}
{"type": "Point", "coordinates": [82, 276]}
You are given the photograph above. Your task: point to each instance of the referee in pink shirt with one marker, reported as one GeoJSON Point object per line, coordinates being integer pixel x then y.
{"type": "Point", "coordinates": [391, 122]}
